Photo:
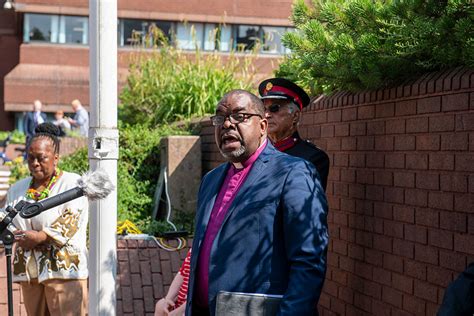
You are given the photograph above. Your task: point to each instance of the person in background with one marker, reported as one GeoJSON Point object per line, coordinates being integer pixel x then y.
{"type": "Point", "coordinates": [174, 303]}
{"type": "Point", "coordinates": [33, 119]}
{"type": "Point", "coordinates": [284, 102]}
{"type": "Point", "coordinates": [261, 218]}
{"type": "Point", "coordinates": [62, 123]}
{"type": "Point", "coordinates": [50, 257]}
{"type": "Point", "coordinates": [81, 118]}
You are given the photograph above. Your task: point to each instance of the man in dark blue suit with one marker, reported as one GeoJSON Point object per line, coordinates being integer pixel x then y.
{"type": "Point", "coordinates": [33, 119]}
{"type": "Point", "coordinates": [261, 222]}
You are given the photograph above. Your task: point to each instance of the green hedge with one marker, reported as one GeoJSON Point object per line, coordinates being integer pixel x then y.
{"type": "Point", "coordinates": [17, 137]}
{"type": "Point", "coordinates": [138, 169]}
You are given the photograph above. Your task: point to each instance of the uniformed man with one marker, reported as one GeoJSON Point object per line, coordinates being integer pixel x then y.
{"type": "Point", "coordinates": [283, 102]}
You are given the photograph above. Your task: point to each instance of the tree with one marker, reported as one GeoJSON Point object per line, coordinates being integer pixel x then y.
{"type": "Point", "coordinates": [367, 44]}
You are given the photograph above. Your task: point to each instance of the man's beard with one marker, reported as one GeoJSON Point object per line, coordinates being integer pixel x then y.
{"type": "Point", "coordinates": [234, 155]}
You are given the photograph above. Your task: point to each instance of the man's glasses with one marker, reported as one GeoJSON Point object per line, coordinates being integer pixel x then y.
{"type": "Point", "coordinates": [234, 118]}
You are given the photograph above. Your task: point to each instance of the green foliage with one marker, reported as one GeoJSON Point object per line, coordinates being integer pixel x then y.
{"type": "Point", "coordinates": [365, 44]}
{"type": "Point", "coordinates": [166, 85]}
{"type": "Point", "coordinates": [182, 221]}
{"type": "Point", "coordinates": [77, 162]}
{"type": "Point", "coordinates": [17, 137]}
{"type": "Point", "coordinates": [138, 167]}
{"type": "Point", "coordinates": [18, 169]}
{"type": "Point", "coordinates": [153, 228]}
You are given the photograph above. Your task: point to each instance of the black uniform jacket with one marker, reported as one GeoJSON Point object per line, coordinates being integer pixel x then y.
{"type": "Point", "coordinates": [308, 151]}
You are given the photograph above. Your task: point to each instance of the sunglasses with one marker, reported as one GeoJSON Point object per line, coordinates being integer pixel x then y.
{"type": "Point", "coordinates": [274, 108]}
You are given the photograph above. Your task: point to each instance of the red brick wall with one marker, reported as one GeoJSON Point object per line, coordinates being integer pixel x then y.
{"type": "Point", "coordinates": [144, 275]}
{"type": "Point", "coordinates": [9, 48]}
{"type": "Point", "coordinates": [229, 11]}
{"type": "Point", "coordinates": [400, 192]}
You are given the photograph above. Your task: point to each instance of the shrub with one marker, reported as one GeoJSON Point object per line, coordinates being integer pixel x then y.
{"type": "Point", "coordinates": [18, 169]}
{"type": "Point", "coordinates": [138, 167]}
{"type": "Point", "coordinates": [17, 137]}
{"type": "Point", "coordinates": [364, 44]}
{"type": "Point", "coordinates": [166, 85]}
{"type": "Point", "coordinates": [77, 162]}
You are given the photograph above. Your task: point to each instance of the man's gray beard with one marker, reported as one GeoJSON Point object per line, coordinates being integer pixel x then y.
{"type": "Point", "coordinates": [234, 154]}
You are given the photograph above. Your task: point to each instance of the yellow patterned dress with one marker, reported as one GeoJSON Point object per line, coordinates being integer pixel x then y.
{"type": "Point", "coordinates": [66, 225]}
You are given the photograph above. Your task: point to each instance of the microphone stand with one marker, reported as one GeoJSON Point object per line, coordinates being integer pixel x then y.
{"type": "Point", "coordinates": [7, 237]}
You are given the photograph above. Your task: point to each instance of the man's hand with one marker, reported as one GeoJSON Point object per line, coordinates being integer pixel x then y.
{"type": "Point", "coordinates": [163, 307]}
{"type": "Point", "coordinates": [30, 239]}
{"type": "Point", "coordinates": [179, 311]}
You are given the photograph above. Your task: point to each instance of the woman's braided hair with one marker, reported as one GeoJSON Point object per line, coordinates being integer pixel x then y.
{"type": "Point", "coordinates": [48, 130]}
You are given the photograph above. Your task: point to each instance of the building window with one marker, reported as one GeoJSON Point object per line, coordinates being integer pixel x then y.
{"type": "Point", "coordinates": [41, 28]}
{"type": "Point", "coordinates": [246, 37]}
{"type": "Point", "coordinates": [189, 35]}
{"type": "Point", "coordinates": [271, 41]}
{"type": "Point", "coordinates": [73, 29]}
{"type": "Point", "coordinates": [134, 32]}
{"type": "Point", "coordinates": [217, 37]}
{"type": "Point", "coordinates": [141, 32]}
{"type": "Point", "coordinates": [55, 29]}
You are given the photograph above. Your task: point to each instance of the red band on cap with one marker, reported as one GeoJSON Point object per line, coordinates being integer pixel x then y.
{"type": "Point", "coordinates": [288, 92]}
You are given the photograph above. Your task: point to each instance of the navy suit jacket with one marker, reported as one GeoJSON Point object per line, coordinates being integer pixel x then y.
{"type": "Point", "coordinates": [274, 236]}
{"type": "Point", "coordinates": [29, 123]}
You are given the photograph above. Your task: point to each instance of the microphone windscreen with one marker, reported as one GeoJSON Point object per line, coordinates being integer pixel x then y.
{"type": "Point", "coordinates": [96, 185]}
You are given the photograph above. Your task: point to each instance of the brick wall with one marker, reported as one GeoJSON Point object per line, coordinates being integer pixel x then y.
{"type": "Point", "coordinates": [144, 275]}
{"type": "Point", "coordinates": [400, 192]}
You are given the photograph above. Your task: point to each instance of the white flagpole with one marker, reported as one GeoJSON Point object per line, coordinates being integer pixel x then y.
{"type": "Point", "coordinates": [103, 153]}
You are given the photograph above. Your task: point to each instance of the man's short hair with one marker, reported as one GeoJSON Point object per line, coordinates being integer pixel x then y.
{"type": "Point", "coordinates": [76, 102]}
{"type": "Point", "coordinates": [293, 107]}
{"type": "Point", "coordinates": [255, 101]}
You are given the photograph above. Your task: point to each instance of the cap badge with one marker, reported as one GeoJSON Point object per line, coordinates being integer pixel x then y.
{"type": "Point", "coordinates": [269, 86]}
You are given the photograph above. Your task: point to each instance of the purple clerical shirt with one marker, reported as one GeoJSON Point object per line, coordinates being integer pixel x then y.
{"type": "Point", "coordinates": [232, 183]}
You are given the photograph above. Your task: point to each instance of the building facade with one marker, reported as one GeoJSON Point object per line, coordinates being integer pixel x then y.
{"type": "Point", "coordinates": [44, 43]}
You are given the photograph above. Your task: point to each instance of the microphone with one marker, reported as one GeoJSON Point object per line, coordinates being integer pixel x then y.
{"type": "Point", "coordinates": [94, 185]}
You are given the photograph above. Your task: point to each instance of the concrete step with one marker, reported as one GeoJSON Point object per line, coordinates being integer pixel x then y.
{"type": "Point", "coordinates": [4, 183]}
{"type": "Point", "coordinates": [5, 173]}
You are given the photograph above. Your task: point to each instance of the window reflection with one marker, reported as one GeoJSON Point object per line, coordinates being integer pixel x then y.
{"type": "Point", "coordinates": [135, 32]}
{"type": "Point", "coordinates": [55, 28]}
{"type": "Point", "coordinates": [140, 32]}
{"type": "Point", "coordinates": [75, 29]}
{"type": "Point", "coordinates": [271, 42]}
{"type": "Point", "coordinates": [189, 35]}
{"type": "Point", "coordinates": [38, 27]}
{"type": "Point", "coordinates": [248, 36]}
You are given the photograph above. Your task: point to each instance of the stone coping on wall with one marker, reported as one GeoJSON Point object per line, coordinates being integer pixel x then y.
{"type": "Point", "coordinates": [433, 83]}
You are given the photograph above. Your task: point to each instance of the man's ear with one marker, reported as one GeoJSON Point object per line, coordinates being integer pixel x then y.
{"type": "Point", "coordinates": [296, 117]}
{"type": "Point", "coordinates": [263, 126]}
